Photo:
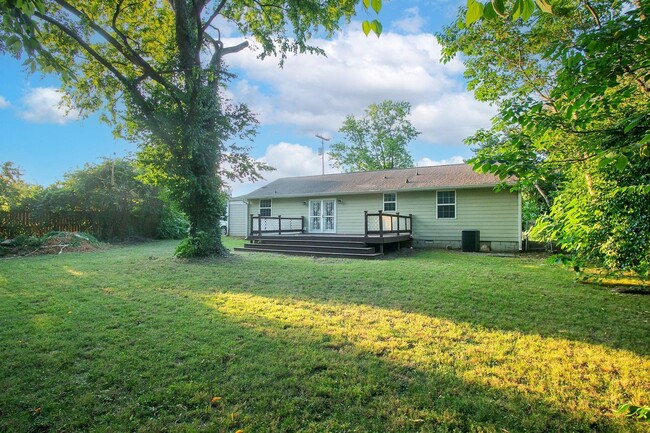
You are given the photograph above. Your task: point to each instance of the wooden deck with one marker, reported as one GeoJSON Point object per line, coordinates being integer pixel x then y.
{"type": "Point", "coordinates": [328, 245]}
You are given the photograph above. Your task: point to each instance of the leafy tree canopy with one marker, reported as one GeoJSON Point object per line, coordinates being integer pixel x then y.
{"type": "Point", "coordinates": [378, 140]}
{"type": "Point", "coordinates": [155, 69]}
{"type": "Point", "coordinates": [573, 122]}
{"type": "Point", "coordinates": [13, 189]}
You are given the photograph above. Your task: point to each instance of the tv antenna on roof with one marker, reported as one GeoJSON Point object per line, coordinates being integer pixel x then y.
{"type": "Point", "coordinates": [322, 150]}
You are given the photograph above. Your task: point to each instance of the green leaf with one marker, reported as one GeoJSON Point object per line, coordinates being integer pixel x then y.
{"type": "Point", "coordinates": [499, 7]}
{"type": "Point", "coordinates": [523, 9]}
{"type": "Point", "coordinates": [474, 12]}
{"type": "Point", "coordinates": [365, 26]}
{"type": "Point", "coordinates": [544, 6]}
{"type": "Point", "coordinates": [40, 5]}
{"type": "Point", "coordinates": [604, 162]}
{"type": "Point", "coordinates": [376, 5]}
{"type": "Point", "coordinates": [489, 13]}
{"type": "Point", "coordinates": [376, 27]}
{"type": "Point", "coordinates": [366, 4]}
{"type": "Point", "coordinates": [630, 126]}
{"type": "Point", "coordinates": [621, 163]}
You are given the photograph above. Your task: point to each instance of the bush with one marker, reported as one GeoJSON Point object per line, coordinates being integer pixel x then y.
{"type": "Point", "coordinates": [22, 241]}
{"type": "Point", "coordinates": [201, 245]}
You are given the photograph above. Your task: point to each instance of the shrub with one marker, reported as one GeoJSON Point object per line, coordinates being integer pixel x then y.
{"type": "Point", "coordinates": [201, 245]}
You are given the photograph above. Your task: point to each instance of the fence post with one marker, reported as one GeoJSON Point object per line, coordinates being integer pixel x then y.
{"type": "Point", "coordinates": [280, 225]}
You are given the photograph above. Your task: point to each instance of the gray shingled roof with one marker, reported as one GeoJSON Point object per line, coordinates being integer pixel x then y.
{"type": "Point", "coordinates": [435, 177]}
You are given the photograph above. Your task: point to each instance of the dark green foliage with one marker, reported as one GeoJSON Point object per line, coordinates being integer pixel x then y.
{"type": "Point", "coordinates": [173, 223]}
{"type": "Point", "coordinates": [108, 199]}
{"type": "Point", "coordinates": [573, 123]}
{"type": "Point", "coordinates": [200, 244]}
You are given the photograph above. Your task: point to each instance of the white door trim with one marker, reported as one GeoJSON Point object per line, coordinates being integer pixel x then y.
{"type": "Point", "coordinates": [320, 220]}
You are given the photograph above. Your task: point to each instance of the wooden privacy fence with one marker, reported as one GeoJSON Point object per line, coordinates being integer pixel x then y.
{"type": "Point", "coordinates": [102, 225]}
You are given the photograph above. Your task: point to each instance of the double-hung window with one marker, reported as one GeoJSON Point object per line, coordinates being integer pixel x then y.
{"type": "Point", "coordinates": [446, 204]}
{"type": "Point", "coordinates": [265, 207]}
{"type": "Point", "coordinates": [390, 202]}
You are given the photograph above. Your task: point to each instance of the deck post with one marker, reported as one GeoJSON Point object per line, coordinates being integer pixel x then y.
{"type": "Point", "coordinates": [365, 213]}
{"type": "Point", "coordinates": [381, 229]}
{"type": "Point", "coordinates": [397, 213]}
{"type": "Point", "coordinates": [302, 224]}
{"type": "Point", "coordinates": [280, 225]}
{"type": "Point", "coordinates": [259, 226]}
{"type": "Point", "coordinates": [410, 223]}
{"type": "Point", "coordinates": [252, 228]}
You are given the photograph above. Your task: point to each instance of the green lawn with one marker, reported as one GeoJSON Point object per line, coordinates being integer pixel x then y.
{"type": "Point", "coordinates": [130, 339]}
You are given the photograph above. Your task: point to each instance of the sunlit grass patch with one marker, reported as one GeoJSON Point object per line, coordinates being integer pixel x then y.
{"type": "Point", "coordinates": [583, 379]}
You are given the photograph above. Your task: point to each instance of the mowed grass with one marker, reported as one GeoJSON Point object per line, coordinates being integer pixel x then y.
{"type": "Point", "coordinates": [132, 340]}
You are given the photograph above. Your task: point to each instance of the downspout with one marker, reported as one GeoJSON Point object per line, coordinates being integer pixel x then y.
{"type": "Point", "coordinates": [248, 215]}
{"type": "Point", "coordinates": [519, 222]}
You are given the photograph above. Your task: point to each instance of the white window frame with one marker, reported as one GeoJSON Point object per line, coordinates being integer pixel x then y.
{"type": "Point", "coordinates": [438, 204]}
{"type": "Point", "coordinates": [269, 207]}
{"type": "Point", "coordinates": [390, 201]}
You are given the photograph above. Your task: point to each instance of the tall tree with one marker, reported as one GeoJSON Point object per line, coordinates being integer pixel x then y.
{"type": "Point", "coordinates": [378, 140]}
{"type": "Point", "coordinates": [574, 120]}
{"type": "Point", "coordinates": [13, 188]}
{"type": "Point", "coordinates": [156, 70]}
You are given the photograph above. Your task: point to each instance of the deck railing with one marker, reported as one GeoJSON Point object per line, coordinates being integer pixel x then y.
{"type": "Point", "coordinates": [276, 225]}
{"type": "Point", "coordinates": [381, 223]}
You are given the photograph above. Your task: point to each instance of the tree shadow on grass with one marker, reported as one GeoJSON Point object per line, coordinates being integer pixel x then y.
{"type": "Point", "coordinates": [134, 361]}
{"type": "Point", "coordinates": [510, 294]}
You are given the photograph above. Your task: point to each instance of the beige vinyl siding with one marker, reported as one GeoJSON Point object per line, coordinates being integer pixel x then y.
{"type": "Point", "coordinates": [286, 207]}
{"type": "Point", "coordinates": [494, 214]}
{"type": "Point", "coordinates": [237, 218]}
{"type": "Point", "coordinates": [350, 213]}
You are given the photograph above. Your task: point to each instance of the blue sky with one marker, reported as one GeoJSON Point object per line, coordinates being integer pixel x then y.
{"type": "Point", "coordinates": [310, 95]}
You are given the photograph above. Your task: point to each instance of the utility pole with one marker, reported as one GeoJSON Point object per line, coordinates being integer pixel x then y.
{"type": "Point", "coordinates": [322, 150]}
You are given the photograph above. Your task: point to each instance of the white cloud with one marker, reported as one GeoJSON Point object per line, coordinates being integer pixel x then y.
{"type": "Point", "coordinates": [315, 93]}
{"type": "Point", "coordinates": [288, 160]}
{"type": "Point", "coordinates": [451, 118]}
{"type": "Point", "coordinates": [4, 103]}
{"type": "Point", "coordinates": [411, 22]}
{"type": "Point", "coordinates": [424, 162]}
{"type": "Point", "coordinates": [44, 105]}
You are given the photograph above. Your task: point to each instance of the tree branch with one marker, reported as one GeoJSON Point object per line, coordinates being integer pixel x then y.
{"type": "Point", "coordinates": [124, 49]}
{"type": "Point", "coordinates": [130, 86]}
{"type": "Point", "coordinates": [216, 12]}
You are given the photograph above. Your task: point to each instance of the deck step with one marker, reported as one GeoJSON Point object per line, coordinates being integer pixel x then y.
{"type": "Point", "coordinates": [316, 242]}
{"type": "Point", "coordinates": [341, 248]}
{"type": "Point", "coordinates": [313, 253]}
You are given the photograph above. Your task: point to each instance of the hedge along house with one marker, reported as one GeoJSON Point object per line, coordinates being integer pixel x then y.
{"type": "Point", "coordinates": [428, 206]}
